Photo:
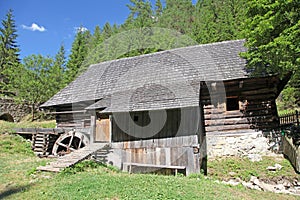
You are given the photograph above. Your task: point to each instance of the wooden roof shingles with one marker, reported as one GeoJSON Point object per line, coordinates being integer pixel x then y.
{"type": "Point", "coordinates": [161, 80]}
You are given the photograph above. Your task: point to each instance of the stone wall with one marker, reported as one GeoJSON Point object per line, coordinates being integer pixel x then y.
{"type": "Point", "coordinates": [242, 144]}
{"type": "Point", "coordinates": [17, 111]}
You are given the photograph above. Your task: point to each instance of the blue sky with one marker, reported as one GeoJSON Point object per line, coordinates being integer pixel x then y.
{"type": "Point", "coordinates": [43, 25]}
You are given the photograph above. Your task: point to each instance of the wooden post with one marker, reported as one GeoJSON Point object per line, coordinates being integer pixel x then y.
{"type": "Point", "coordinates": [93, 127]}
{"type": "Point", "coordinates": [297, 117]}
{"type": "Point", "coordinates": [202, 134]}
{"type": "Point", "coordinates": [110, 128]}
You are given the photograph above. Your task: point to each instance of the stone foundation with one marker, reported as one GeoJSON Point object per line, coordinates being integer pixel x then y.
{"type": "Point", "coordinates": [242, 144]}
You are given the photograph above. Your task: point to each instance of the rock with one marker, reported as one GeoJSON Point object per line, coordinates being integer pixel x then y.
{"type": "Point", "coordinates": [253, 179]}
{"type": "Point", "coordinates": [254, 157]}
{"type": "Point", "coordinates": [296, 183]}
{"type": "Point", "coordinates": [278, 166]}
{"type": "Point", "coordinates": [279, 187]}
{"type": "Point", "coordinates": [46, 177]}
{"type": "Point", "coordinates": [271, 168]}
{"type": "Point", "coordinates": [287, 184]}
{"type": "Point", "coordinates": [231, 182]}
{"type": "Point", "coordinates": [275, 167]}
{"type": "Point", "coordinates": [254, 136]}
{"type": "Point", "coordinates": [250, 186]}
{"type": "Point", "coordinates": [265, 186]}
{"type": "Point", "coordinates": [232, 173]}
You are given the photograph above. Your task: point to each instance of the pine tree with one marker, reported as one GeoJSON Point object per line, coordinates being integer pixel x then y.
{"type": "Point", "coordinates": [57, 71]}
{"type": "Point", "coordinates": [178, 15]}
{"type": "Point", "coordinates": [107, 30]}
{"type": "Point", "coordinates": [141, 14]}
{"type": "Point", "coordinates": [80, 48]}
{"type": "Point", "coordinates": [97, 37]}
{"type": "Point", "coordinates": [9, 51]}
{"type": "Point", "coordinates": [158, 8]}
{"type": "Point", "coordinates": [218, 20]}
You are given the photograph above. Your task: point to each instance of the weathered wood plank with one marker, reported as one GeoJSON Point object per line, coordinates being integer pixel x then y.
{"type": "Point", "coordinates": [227, 127]}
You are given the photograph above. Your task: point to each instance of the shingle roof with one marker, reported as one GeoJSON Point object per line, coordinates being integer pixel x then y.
{"type": "Point", "coordinates": [166, 79]}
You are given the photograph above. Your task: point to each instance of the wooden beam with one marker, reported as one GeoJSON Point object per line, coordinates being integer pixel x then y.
{"type": "Point", "coordinates": [93, 127]}
{"type": "Point", "coordinates": [67, 112]}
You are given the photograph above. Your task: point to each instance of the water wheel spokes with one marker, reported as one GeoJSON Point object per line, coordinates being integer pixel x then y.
{"type": "Point", "coordinates": [80, 142]}
{"type": "Point", "coordinates": [69, 142]}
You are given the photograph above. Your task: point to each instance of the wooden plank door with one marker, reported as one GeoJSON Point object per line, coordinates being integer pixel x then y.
{"type": "Point", "coordinates": [103, 130]}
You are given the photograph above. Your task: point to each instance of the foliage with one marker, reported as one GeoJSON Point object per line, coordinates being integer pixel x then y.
{"type": "Point", "coordinates": [218, 20]}
{"type": "Point", "coordinates": [57, 71]}
{"type": "Point", "coordinates": [38, 78]}
{"type": "Point", "coordinates": [178, 15]}
{"type": "Point", "coordinates": [9, 51]}
{"type": "Point", "coordinates": [81, 167]}
{"type": "Point", "coordinates": [141, 14]}
{"type": "Point", "coordinates": [273, 38]}
{"type": "Point", "coordinates": [78, 52]}
{"type": "Point", "coordinates": [32, 81]}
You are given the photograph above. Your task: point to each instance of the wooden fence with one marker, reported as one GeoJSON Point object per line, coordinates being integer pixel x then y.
{"type": "Point", "coordinates": [291, 118]}
{"type": "Point", "coordinates": [289, 123]}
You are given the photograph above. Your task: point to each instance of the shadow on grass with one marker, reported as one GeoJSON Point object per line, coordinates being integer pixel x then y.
{"type": "Point", "coordinates": [13, 190]}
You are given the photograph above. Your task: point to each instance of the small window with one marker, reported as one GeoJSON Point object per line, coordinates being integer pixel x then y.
{"type": "Point", "coordinates": [135, 118]}
{"type": "Point", "coordinates": [232, 104]}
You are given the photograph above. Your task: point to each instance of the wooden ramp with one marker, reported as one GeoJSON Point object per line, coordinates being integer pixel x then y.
{"type": "Point", "coordinates": [72, 158]}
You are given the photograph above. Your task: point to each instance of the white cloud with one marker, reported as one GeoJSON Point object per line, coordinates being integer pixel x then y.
{"type": "Point", "coordinates": [80, 29]}
{"type": "Point", "coordinates": [34, 27]}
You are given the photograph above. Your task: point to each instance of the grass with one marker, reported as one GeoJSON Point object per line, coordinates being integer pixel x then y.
{"type": "Point", "coordinates": [20, 180]}
{"type": "Point", "coordinates": [243, 168]}
{"type": "Point", "coordinates": [8, 127]}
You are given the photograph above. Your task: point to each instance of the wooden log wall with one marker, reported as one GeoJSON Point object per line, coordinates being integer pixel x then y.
{"type": "Point", "coordinates": [73, 116]}
{"type": "Point", "coordinates": [256, 109]}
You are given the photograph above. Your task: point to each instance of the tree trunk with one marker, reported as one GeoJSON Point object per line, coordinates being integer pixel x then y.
{"type": "Point", "coordinates": [32, 111]}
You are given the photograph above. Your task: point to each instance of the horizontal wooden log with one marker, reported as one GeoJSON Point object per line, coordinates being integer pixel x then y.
{"type": "Point", "coordinates": [230, 121]}
{"type": "Point", "coordinates": [213, 111]}
{"type": "Point", "coordinates": [67, 112]}
{"type": "Point", "coordinates": [68, 125]}
{"type": "Point", "coordinates": [246, 83]}
{"type": "Point", "coordinates": [52, 131]}
{"type": "Point", "coordinates": [225, 115]}
{"type": "Point", "coordinates": [227, 127]}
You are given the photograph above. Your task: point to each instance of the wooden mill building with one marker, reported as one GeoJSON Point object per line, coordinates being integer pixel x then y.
{"type": "Point", "coordinates": [156, 110]}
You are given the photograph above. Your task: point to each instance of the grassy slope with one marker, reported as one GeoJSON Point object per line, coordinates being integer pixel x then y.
{"type": "Point", "coordinates": [19, 180]}
{"type": "Point", "coordinates": [6, 127]}
{"type": "Point", "coordinates": [243, 168]}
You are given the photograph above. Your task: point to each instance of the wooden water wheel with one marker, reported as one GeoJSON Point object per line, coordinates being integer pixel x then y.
{"type": "Point", "coordinates": [68, 142]}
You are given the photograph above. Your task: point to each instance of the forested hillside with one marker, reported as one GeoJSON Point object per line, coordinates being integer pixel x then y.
{"type": "Point", "coordinates": [271, 29]}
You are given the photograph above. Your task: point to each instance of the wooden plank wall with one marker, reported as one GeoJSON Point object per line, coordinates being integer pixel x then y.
{"type": "Point", "coordinates": [177, 151]}
{"type": "Point", "coordinates": [257, 107]}
{"type": "Point", "coordinates": [179, 122]}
